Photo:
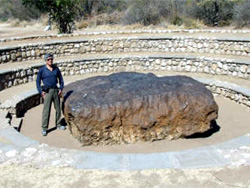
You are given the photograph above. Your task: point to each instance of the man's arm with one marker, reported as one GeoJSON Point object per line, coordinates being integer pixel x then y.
{"type": "Point", "coordinates": [38, 84]}
{"type": "Point", "coordinates": [61, 82]}
{"type": "Point", "coordinates": [38, 81]}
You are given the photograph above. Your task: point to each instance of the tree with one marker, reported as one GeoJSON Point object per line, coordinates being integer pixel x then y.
{"type": "Point", "coordinates": [63, 12]}
{"type": "Point", "coordinates": [215, 12]}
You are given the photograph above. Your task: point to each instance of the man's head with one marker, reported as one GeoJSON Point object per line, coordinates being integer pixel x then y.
{"type": "Point", "coordinates": [48, 57]}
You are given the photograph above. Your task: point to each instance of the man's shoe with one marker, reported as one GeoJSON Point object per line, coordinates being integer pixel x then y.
{"type": "Point", "coordinates": [61, 127]}
{"type": "Point", "coordinates": [44, 132]}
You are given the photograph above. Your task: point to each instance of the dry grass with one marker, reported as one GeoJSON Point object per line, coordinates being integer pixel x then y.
{"type": "Point", "coordinates": [21, 23]}
{"type": "Point", "coordinates": [88, 25]}
{"type": "Point", "coordinates": [82, 24]}
{"type": "Point", "coordinates": [39, 23]}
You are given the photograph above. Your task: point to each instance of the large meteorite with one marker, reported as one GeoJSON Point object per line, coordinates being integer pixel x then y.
{"type": "Point", "coordinates": [130, 107]}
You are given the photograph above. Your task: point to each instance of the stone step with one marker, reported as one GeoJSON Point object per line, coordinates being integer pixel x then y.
{"type": "Point", "coordinates": [17, 100]}
{"type": "Point", "coordinates": [5, 117]}
{"type": "Point", "coordinates": [8, 96]}
{"type": "Point", "coordinates": [115, 33]}
{"type": "Point", "coordinates": [76, 65]}
{"type": "Point", "coordinates": [4, 114]}
{"type": "Point", "coordinates": [180, 44]}
{"type": "Point", "coordinates": [38, 62]}
{"type": "Point", "coordinates": [18, 92]}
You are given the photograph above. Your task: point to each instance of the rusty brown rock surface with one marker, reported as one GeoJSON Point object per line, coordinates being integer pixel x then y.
{"type": "Point", "coordinates": [128, 107]}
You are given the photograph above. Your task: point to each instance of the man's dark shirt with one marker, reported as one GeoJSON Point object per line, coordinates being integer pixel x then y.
{"type": "Point", "coordinates": [49, 78]}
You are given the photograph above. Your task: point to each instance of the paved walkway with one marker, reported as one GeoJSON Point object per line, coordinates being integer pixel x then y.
{"type": "Point", "coordinates": [31, 177]}
{"type": "Point", "coordinates": [13, 92]}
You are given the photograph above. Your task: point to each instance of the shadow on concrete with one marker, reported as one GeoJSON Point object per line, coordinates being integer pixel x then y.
{"type": "Point", "coordinates": [51, 129]}
{"type": "Point", "coordinates": [214, 128]}
{"type": "Point", "coordinates": [62, 122]}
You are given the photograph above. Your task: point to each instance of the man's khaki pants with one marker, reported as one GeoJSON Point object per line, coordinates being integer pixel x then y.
{"type": "Point", "coordinates": [51, 96]}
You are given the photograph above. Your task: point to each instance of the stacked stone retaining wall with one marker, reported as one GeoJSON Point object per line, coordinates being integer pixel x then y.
{"type": "Point", "coordinates": [107, 64]}
{"type": "Point", "coordinates": [121, 45]}
{"type": "Point", "coordinates": [83, 34]}
{"type": "Point", "coordinates": [239, 69]}
{"type": "Point", "coordinates": [17, 106]}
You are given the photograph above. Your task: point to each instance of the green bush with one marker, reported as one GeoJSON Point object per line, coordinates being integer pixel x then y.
{"type": "Point", "coordinates": [213, 12]}
{"type": "Point", "coordinates": [242, 14]}
{"type": "Point", "coordinates": [89, 8]}
{"type": "Point", "coordinates": [13, 9]}
{"type": "Point", "coordinates": [177, 21]}
{"type": "Point", "coordinates": [192, 23]}
{"type": "Point", "coordinates": [142, 12]}
{"type": "Point", "coordinates": [4, 19]}
{"type": "Point", "coordinates": [81, 24]}
{"type": "Point", "coordinates": [146, 12]}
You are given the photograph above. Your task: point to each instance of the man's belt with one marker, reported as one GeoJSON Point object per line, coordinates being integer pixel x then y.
{"type": "Point", "coordinates": [46, 88]}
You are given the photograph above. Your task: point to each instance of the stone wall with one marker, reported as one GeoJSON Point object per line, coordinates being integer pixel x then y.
{"type": "Point", "coordinates": [16, 77]}
{"type": "Point", "coordinates": [83, 34]}
{"type": "Point", "coordinates": [233, 92]}
{"type": "Point", "coordinates": [25, 104]}
{"type": "Point", "coordinates": [119, 45]}
{"type": "Point", "coordinates": [234, 95]}
{"type": "Point", "coordinates": [19, 105]}
{"type": "Point", "coordinates": [108, 64]}
{"type": "Point", "coordinates": [176, 63]}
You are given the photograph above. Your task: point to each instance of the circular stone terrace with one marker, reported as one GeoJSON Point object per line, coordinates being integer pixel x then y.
{"type": "Point", "coordinates": [217, 58]}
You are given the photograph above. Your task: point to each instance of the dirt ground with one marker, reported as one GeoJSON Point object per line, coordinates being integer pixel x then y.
{"type": "Point", "coordinates": [7, 31]}
{"type": "Point", "coordinates": [230, 124]}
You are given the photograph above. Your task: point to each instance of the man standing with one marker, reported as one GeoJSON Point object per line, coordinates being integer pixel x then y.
{"type": "Point", "coordinates": [50, 74]}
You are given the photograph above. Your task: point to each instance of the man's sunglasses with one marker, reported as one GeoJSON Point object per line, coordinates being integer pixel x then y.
{"type": "Point", "coordinates": [50, 59]}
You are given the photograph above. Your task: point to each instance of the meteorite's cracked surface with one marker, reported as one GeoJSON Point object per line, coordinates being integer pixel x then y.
{"type": "Point", "coordinates": [129, 107]}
